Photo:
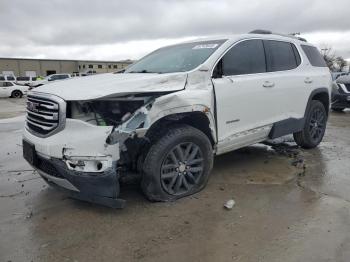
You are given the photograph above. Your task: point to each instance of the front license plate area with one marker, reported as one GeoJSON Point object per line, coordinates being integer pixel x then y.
{"type": "Point", "coordinates": [29, 153]}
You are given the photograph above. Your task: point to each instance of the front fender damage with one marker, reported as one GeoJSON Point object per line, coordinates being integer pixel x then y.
{"type": "Point", "coordinates": [132, 135]}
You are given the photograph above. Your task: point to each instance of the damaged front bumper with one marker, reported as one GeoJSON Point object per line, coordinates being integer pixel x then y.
{"type": "Point", "coordinates": [80, 163]}
{"type": "Point", "coordinates": [101, 188]}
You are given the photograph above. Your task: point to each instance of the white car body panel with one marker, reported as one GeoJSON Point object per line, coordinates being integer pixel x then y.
{"type": "Point", "coordinates": [6, 91]}
{"type": "Point", "coordinates": [71, 144]}
{"type": "Point", "coordinates": [104, 85]}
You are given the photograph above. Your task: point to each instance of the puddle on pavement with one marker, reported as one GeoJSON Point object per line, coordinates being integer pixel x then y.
{"type": "Point", "coordinates": [274, 164]}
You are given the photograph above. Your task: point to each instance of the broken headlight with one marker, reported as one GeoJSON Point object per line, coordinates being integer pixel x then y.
{"type": "Point", "coordinates": [104, 112]}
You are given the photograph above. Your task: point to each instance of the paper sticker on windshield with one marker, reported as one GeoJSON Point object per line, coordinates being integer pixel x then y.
{"type": "Point", "coordinates": [208, 46]}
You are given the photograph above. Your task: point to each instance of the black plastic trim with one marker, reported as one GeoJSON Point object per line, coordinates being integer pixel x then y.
{"type": "Point", "coordinates": [313, 94]}
{"type": "Point", "coordinates": [286, 127]}
{"type": "Point", "coordinates": [100, 188]}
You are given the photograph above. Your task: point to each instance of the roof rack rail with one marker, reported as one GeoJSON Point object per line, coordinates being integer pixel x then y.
{"type": "Point", "coordinates": [268, 32]}
{"type": "Point", "coordinates": [261, 31]}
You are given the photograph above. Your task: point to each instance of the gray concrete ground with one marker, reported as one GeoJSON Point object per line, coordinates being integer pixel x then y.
{"type": "Point", "coordinates": [283, 212]}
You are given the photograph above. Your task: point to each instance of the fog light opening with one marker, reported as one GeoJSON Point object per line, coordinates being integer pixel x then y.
{"type": "Point", "coordinates": [99, 165]}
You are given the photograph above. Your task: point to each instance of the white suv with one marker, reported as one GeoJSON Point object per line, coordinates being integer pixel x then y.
{"type": "Point", "coordinates": [50, 78]}
{"type": "Point", "coordinates": [10, 89]}
{"type": "Point", "coordinates": [167, 115]}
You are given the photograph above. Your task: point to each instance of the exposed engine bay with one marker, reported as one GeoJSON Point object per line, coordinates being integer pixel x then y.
{"type": "Point", "coordinates": [106, 112]}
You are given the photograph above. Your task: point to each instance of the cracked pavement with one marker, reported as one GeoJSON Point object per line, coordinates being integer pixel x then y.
{"type": "Point", "coordinates": [283, 211]}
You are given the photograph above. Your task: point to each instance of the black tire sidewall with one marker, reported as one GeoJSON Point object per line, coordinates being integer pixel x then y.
{"type": "Point", "coordinates": [151, 181]}
{"type": "Point", "coordinates": [19, 94]}
{"type": "Point", "coordinates": [311, 142]}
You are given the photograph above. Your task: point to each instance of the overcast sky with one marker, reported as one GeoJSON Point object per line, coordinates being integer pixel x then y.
{"type": "Point", "coordinates": [116, 29]}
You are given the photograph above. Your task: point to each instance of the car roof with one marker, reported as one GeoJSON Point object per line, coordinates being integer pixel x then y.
{"type": "Point", "coordinates": [237, 37]}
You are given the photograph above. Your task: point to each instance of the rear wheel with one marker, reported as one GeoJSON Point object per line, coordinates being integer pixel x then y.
{"type": "Point", "coordinates": [16, 94]}
{"type": "Point", "coordinates": [314, 127]}
{"type": "Point", "coordinates": [177, 165]}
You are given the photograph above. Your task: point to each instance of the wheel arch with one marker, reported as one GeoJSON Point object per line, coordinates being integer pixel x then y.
{"type": "Point", "coordinates": [322, 95]}
{"type": "Point", "coordinates": [197, 119]}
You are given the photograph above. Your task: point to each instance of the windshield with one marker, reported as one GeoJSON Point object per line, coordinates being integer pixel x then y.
{"type": "Point", "coordinates": [176, 58]}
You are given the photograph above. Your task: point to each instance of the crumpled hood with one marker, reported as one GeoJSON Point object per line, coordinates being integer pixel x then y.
{"type": "Point", "coordinates": [109, 85]}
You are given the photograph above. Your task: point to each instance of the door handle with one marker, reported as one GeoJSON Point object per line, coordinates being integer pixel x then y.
{"type": "Point", "coordinates": [308, 80]}
{"type": "Point", "coordinates": [268, 84]}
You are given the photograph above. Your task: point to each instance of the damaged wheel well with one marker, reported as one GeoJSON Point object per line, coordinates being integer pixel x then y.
{"type": "Point", "coordinates": [197, 120]}
{"type": "Point", "coordinates": [137, 148]}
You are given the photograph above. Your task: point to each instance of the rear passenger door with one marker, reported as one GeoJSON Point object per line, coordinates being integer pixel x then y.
{"type": "Point", "coordinates": [289, 79]}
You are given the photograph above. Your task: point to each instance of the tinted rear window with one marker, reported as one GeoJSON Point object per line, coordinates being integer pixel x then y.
{"type": "Point", "coordinates": [11, 78]}
{"type": "Point", "coordinates": [246, 57]}
{"type": "Point", "coordinates": [23, 78]}
{"type": "Point", "coordinates": [2, 78]}
{"type": "Point", "coordinates": [280, 56]}
{"type": "Point", "coordinates": [314, 56]}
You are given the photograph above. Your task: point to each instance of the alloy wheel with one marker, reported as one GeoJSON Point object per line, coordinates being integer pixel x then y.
{"type": "Point", "coordinates": [182, 168]}
{"type": "Point", "coordinates": [317, 124]}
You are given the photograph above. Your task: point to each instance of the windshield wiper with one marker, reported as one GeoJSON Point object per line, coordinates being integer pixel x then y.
{"type": "Point", "coordinates": [144, 71]}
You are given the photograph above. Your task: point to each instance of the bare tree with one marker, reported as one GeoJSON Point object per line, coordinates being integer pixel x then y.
{"type": "Point", "coordinates": [335, 63]}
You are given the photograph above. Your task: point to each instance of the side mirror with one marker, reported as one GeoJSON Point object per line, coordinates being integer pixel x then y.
{"type": "Point", "coordinates": [50, 79]}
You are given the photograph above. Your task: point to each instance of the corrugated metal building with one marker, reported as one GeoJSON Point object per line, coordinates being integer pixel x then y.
{"type": "Point", "coordinates": [44, 67]}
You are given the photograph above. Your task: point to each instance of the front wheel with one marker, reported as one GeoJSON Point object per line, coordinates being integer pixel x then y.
{"type": "Point", "coordinates": [177, 165]}
{"type": "Point", "coordinates": [314, 127]}
{"type": "Point", "coordinates": [16, 94]}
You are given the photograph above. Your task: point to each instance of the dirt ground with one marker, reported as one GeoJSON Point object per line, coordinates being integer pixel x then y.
{"type": "Point", "coordinates": [291, 205]}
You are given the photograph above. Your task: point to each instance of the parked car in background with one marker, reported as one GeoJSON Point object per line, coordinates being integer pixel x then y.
{"type": "Point", "coordinates": [7, 78]}
{"type": "Point", "coordinates": [166, 116]}
{"type": "Point", "coordinates": [78, 74]}
{"type": "Point", "coordinates": [341, 93]}
{"type": "Point", "coordinates": [10, 89]}
{"type": "Point", "coordinates": [26, 80]}
{"type": "Point", "coordinates": [90, 72]}
{"type": "Point", "coordinates": [335, 75]}
{"type": "Point", "coordinates": [50, 78]}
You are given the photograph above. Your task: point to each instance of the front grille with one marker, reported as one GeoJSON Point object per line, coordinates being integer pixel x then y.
{"type": "Point", "coordinates": [45, 114]}
{"type": "Point", "coordinates": [48, 168]}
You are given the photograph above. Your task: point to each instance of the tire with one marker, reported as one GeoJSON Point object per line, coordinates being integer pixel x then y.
{"type": "Point", "coordinates": [178, 164]}
{"type": "Point", "coordinates": [314, 127]}
{"type": "Point", "coordinates": [338, 109]}
{"type": "Point", "coordinates": [16, 94]}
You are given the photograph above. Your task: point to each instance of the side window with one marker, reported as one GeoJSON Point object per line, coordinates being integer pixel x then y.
{"type": "Point", "coordinates": [280, 56]}
{"type": "Point", "coordinates": [246, 57]}
{"type": "Point", "coordinates": [10, 78]}
{"type": "Point", "coordinates": [314, 56]}
{"type": "Point", "coordinates": [296, 54]}
{"type": "Point", "coordinates": [2, 78]}
{"type": "Point", "coordinates": [8, 84]}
